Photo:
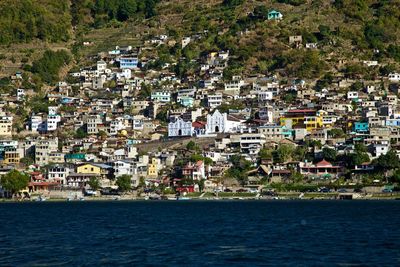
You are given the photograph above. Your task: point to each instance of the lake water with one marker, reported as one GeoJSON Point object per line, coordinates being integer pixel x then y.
{"type": "Point", "coordinates": [198, 233]}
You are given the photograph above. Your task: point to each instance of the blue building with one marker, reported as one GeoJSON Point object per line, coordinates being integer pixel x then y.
{"type": "Point", "coordinates": [360, 127]}
{"type": "Point", "coordinates": [393, 122]}
{"type": "Point", "coordinates": [274, 15]}
{"type": "Point", "coordinates": [128, 63]}
{"type": "Point", "coordinates": [186, 101]}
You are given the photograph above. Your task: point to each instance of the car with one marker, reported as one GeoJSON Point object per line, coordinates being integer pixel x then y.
{"type": "Point", "coordinates": [252, 190]}
{"type": "Point", "coordinates": [386, 190]}
{"type": "Point", "coordinates": [90, 193]}
{"type": "Point", "coordinates": [227, 190]}
{"type": "Point", "coordinates": [269, 193]}
{"type": "Point", "coordinates": [110, 192]}
{"type": "Point", "coordinates": [242, 190]}
{"type": "Point", "coordinates": [324, 190]}
{"type": "Point", "coordinates": [357, 190]}
{"type": "Point", "coordinates": [342, 190]}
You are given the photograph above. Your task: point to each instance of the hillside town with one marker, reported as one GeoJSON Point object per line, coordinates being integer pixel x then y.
{"type": "Point", "coordinates": [121, 117]}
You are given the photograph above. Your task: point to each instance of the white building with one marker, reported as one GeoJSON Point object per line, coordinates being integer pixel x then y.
{"type": "Point", "coordinates": [123, 167]}
{"type": "Point", "coordinates": [251, 143]}
{"type": "Point", "coordinates": [180, 128]}
{"type": "Point", "coordinates": [91, 124]}
{"type": "Point", "coordinates": [20, 94]}
{"type": "Point", "coordinates": [116, 125]}
{"type": "Point", "coordinates": [214, 101]}
{"type": "Point", "coordinates": [52, 122]}
{"type": "Point", "coordinates": [265, 95]}
{"type": "Point", "coordinates": [185, 41]}
{"type": "Point", "coordinates": [219, 123]}
{"type": "Point", "coordinates": [161, 96]}
{"type": "Point", "coordinates": [234, 86]}
{"type": "Point", "coordinates": [352, 95]}
{"type": "Point", "coordinates": [58, 173]}
{"type": "Point", "coordinates": [98, 82]}
{"type": "Point", "coordinates": [43, 148]}
{"type": "Point", "coordinates": [101, 66]}
{"type": "Point", "coordinates": [394, 77]}
{"type": "Point", "coordinates": [37, 124]}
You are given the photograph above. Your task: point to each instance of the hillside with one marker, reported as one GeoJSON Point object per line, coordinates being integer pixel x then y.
{"type": "Point", "coordinates": [345, 31]}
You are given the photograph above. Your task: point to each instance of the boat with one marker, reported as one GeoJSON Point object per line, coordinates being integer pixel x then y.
{"type": "Point", "coordinates": [41, 198]}
{"type": "Point", "coordinates": [183, 198]}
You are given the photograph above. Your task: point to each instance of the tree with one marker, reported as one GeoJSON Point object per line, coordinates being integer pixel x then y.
{"type": "Point", "coordinates": [80, 133]}
{"type": "Point", "coordinates": [297, 177]}
{"type": "Point", "coordinates": [389, 161]}
{"type": "Point", "coordinates": [336, 133]}
{"type": "Point", "coordinates": [14, 181]}
{"type": "Point", "coordinates": [329, 154]}
{"type": "Point", "coordinates": [94, 183]}
{"type": "Point", "coordinates": [102, 134]}
{"type": "Point", "coordinates": [191, 145]}
{"type": "Point", "coordinates": [265, 153]}
{"type": "Point", "coordinates": [232, 3]}
{"type": "Point", "coordinates": [283, 153]}
{"type": "Point", "coordinates": [356, 159]}
{"type": "Point", "coordinates": [239, 169]}
{"type": "Point", "coordinates": [124, 182]}
{"type": "Point", "coordinates": [300, 153]}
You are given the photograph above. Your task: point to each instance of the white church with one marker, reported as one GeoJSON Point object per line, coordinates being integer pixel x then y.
{"type": "Point", "coordinates": [221, 123]}
{"type": "Point", "coordinates": [216, 123]}
{"type": "Point", "coordinates": [180, 128]}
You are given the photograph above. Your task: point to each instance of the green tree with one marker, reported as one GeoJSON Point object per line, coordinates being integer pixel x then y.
{"type": "Point", "coordinates": [357, 158]}
{"type": "Point", "coordinates": [336, 133]}
{"type": "Point", "coordinates": [265, 153]}
{"type": "Point", "coordinates": [239, 169]}
{"type": "Point", "coordinates": [297, 177]}
{"type": "Point", "coordinates": [14, 181]}
{"type": "Point", "coordinates": [49, 65]}
{"type": "Point", "coordinates": [124, 183]}
{"type": "Point", "coordinates": [283, 153]}
{"type": "Point", "coordinates": [300, 153]}
{"type": "Point", "coordinates": [190, 145]}
{"type": "Point", "coordinates": [329, 154]}
{"type": "Point", "coordinates": [94, 183]}
{"type": "Point", "coordinates": [80, 133]}
{"type": "Point", "coordinates": [389, 161]}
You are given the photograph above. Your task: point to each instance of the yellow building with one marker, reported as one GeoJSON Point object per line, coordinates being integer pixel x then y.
{"type": "Point", "coordinates": [5, 127]}
{"type": "Point", "coordinates": [306, 117]}
{"type": "Point", "coordinates": [11, 156]}
{"type": "Point", "coordinates": [152, 168]}
{"type": "Point", "coordinates": [103, 170]}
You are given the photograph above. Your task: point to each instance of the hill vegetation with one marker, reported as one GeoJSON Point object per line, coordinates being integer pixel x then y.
{"type": "Point", "coordinates": [348, 31]}
{"type": "Point", "coordinates": [53, 21]}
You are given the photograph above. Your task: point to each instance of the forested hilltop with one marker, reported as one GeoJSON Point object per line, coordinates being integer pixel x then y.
{"type": "Point", "coordinates": [353, 31]}
{"type": "Point", "coordinates": [48, 20]}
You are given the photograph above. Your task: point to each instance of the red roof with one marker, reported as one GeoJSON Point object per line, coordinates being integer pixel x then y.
{"type": "Point", "coordinates": [324, 163]}
{"type": "Point", "coordinates": [199, 124]}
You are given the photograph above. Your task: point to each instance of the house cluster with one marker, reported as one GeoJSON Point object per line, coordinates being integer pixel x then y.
{"type": "Point", "coordinates": [119, 118]}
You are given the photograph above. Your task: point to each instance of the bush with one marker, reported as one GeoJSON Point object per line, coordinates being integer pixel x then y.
{"type": "Point", "coordinates": [49, 65]}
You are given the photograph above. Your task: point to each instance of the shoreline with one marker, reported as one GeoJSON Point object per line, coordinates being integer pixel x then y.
{"type": "Point", "coordinates": [290, 197]}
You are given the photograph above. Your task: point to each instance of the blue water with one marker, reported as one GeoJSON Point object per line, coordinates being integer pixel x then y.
{"type": "Point", "coordinates": [225, 233]}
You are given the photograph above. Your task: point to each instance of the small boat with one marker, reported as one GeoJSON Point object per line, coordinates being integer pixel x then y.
{"type": "Point", "coordinates": [183, 198]}
{"type": "Point", "coordinates": [41, 198]}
